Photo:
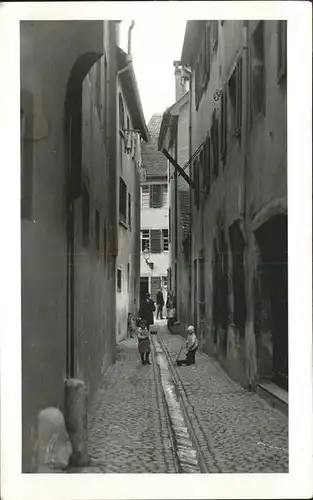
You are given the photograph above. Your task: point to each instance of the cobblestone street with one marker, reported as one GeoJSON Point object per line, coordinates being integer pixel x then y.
{"type": "Point", "coordinates": [129, 432]}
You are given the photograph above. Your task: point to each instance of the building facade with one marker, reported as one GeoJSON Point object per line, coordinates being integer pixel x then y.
{"type": "Point", "coordinates": [154, 216]}
{"type": "Point", "coordinates": [132, 131]}
{"type": "Point", "coordinates": [238, 168]}
{"type": "Point", "coordinates": [69, 213]}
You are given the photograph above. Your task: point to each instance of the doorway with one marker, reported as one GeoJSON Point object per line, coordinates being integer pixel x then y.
{"type": "Point", "coordinates": [272, 241]}
{"type": "Point", "coordinates": [144, 288]}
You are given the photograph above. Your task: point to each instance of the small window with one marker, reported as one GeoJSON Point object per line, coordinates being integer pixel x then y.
{"type": "Point", "coordinates": [258, 69]}
{"type": "Point", "coordinates": [145, 239]}
{"type": "Point", "coordinates": [119, 281]}
{"type": "Point", "coordinates": [156, 196]}
{"type": "Point", "coordinates": [281, 49]}
{"type": "Point", "coordinates": [85, 215]}
{"type": "Point", "coordinates": [121, 112]}
{"type": "Point", "coordinates": [129, 210]}
{"type": "Point", "coordinates": [165, 240]}
{"type": "Point", "coordinates": [165, 196]}
{"type": "Point", "coordinates": [97, 230]}
{"type": "Point", "coordinates": [145, 196]}
{"type": "Point", "coordinates": [122, 200]}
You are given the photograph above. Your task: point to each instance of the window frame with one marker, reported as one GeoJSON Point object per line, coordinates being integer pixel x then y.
{"type": "Point", "coordinates": [119, 280]}
{"type": "Point", "coordinates": [122, 214]}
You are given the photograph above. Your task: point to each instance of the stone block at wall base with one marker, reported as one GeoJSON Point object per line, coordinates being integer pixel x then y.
{"type": "Point", "coordinates": [54, 448]}
{"type": "Point", "coordinates": [76, 419]}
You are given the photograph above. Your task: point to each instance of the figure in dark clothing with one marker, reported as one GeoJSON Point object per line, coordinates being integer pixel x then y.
{"type": "Point", "coordinates": [160, 304]}
{"type": "Point", "coordinates": [144, 343]}
{"type": "Point", "coordinates": [146, 311]}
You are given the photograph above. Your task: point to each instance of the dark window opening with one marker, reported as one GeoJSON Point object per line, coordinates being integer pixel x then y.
{"type": "Point", "coordinates": [237, 248]}
{"type": "Point", "coordinates": [145, 239]}
{"type": "Point", "coordinates": [85, 215]}
{"type": "Point", "coordinates": [121, 112]}
{"type": "Point", "coordinates": [119, 281]}
{"type": "Point", "coordinates": [97, 230]}
{"type": "Point", "coordinates": [129, 210]}
{"type": "Point", "coordinates": [122, 200]}
{"type": "Point", "coordinates": [26, 152]}
{"type": "Point", "coordinates": [258, 69]}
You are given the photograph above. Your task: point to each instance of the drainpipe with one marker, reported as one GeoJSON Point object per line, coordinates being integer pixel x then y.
{"type": "Point", "coordinates": [129, 36]}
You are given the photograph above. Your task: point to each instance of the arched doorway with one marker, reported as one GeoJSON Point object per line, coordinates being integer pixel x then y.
{"type": "Point", "coordinates": [272, 240]}
{"type": "Point", "coordinates": [73, 135]}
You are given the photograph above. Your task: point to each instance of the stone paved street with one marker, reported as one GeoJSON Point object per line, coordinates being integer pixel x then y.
{"type": "Point", "coordinates": [236, 431]}
{"type": "Point", "coordinates": [128, 430]}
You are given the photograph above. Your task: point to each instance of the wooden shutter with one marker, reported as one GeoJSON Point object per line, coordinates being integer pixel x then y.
{"type": "Point", "coordinates": [155, 240]}
{"type": "Point", "coordinates": [156, 196]}
{"type": "Point", "coordinates": [239, 97]}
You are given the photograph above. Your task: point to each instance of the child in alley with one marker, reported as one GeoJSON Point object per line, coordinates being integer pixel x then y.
{"type": "Point", "coordinates": [131, 325]}
{"type": "Point", "coordinates": [144, 342]}
{"type": "Point", "coordinates": [191, 346]}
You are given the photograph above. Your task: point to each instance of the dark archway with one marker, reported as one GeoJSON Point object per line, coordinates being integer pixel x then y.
{"type": "Point", "coordinates": [272, 240]}
{"type": "Point", "coordinates": [73, 138]}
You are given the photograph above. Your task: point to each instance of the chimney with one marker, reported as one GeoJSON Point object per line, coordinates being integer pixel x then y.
{"type": "Point", "coordinates": [180, 83]}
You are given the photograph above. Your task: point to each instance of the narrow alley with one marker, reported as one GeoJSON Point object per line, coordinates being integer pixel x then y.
{"type": "Point", "coordinates": [217, 426]}
{"type": "Point", "coordinates": [154, 218]}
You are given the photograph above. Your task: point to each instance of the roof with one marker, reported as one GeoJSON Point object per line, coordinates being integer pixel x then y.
{"type": "Point", "coordinates": [153, 160]}
{"type": "Point", "coordinates": [131, 92]}
{"type": "Point", "coordinates": [193, 36]}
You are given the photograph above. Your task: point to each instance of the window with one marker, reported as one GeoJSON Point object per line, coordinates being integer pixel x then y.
{"type": "Point", "coordinates": [235, 99]}
{"type": "Point", "coordinates": [85, 215]}
{"type": "Point", "coordinates": [155, 240]}
{"type": "Point", "coordinates": [215, 145]}
{"type": "Point", "coordinates": [122, 200]}
{"type": "Point", "coordinates": [196, 182]}
{"type": "Point", "coordinates": [145, 239]}
{"type": "Point", "coordinates": [223, 127]}
{"type": "Point", "coordinates": [26, 151]}
{"type": "Point", "coordinates": [281, 49]}
{"type": "Point", "coordinates": [156, 196]}
{"type": "Point", "coordinates": [165, 240]}
{"type": "Point", "coordinates": [145, 196]}
{"type": "Point", "coordinates": [121, 112]}
{"type": "Point", "coordinates": [97, 230]}
{"type": "Point", "coordinates": [119, 280]}
{"type": "Point", "coordinates": [207, 165]}
{"type": "Point", "coordinates": [129, 210]}
{"type": "Point", "coordinates": [258, 70]}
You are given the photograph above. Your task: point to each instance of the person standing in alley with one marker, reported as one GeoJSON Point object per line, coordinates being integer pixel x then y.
{"type": "Point", "coordinates": [169, 303]}
{"type": "Point", "coordinates": [191, 346]}
{"type": "Point", "coordinates": [160, 304]}
{"type": "Point", "coordinates": [147, 309]}
{"type": "Point", "coordinates": [144, 342]}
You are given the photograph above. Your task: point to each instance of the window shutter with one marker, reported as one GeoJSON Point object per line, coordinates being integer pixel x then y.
{"type": "Point", "coordinates": [145, 196]}
{"type": "Point", "coordinates": [156, 196]}
{"type": "Point", "coordinates": [239, 98]}
{"type": "Point", "coordinates": [155, 240]}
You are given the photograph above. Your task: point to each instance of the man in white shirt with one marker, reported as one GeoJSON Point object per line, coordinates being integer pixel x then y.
{"type": "Point", "coordinates": [192, 346]}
